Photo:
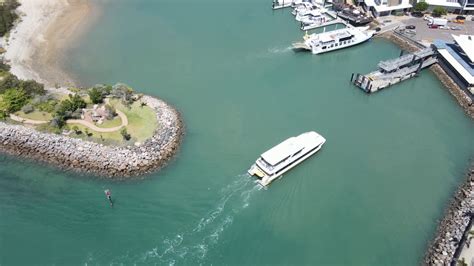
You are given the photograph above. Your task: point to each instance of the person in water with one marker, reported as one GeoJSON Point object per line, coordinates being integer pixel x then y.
{"type": "Point", "coordinates": [108, 194]}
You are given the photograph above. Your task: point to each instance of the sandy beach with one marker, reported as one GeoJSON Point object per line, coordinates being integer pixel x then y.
{"type": "Point", "coordinates": [36, 45]}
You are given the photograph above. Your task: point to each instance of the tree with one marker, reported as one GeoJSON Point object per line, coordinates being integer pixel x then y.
{"type": "Point", "coordinates": [439, 11]}
{"type": "Point", "coordinates": [76, 130]}
{"type": "Point", "coordinates": [125, 134]}
{"type": "Point", "coordinates": [13, 100]}
{"type": "Point", "coordinates": [110, 112]}
{"type": "Point", "coordinates": [7, 15]}
{"type": "Point", "coordinates": [421, 6]}
{"type": "Point", "coordinates": [95, 95]}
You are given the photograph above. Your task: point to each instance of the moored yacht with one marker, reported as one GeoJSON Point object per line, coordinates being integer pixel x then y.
{"type": "Point", "coordinates": [284, 156]}
{"type": "Point", "coordinates": [334, 40]}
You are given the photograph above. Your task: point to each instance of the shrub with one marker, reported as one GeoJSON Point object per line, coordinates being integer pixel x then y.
{"type": "Point", "coordinates": [439, 11]}
{"type": "Point", "coordinates": [95, 95]}
{"type": "Point", "coordinates": [110, 112]}
{"type": "Point", "coordinates": [27, 109]}
{"type": "Point", "coordinates": [7, 16]}
{"type": "Point", "coordinates": [123, 92]}
{"type": "Point", "coordinates": [421, 6]}
{"type": "Point", "coordinates": [13, 100]}
{"type": "Point", "coordinates": [125, 134]}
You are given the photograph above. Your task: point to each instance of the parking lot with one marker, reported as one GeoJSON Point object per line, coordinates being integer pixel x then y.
{"type": "Point", "coordinates": [425, 34]}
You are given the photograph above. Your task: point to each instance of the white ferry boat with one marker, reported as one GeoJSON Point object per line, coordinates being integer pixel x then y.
{"type": "Point", "coordinates": [286, 155]}
{"type": "Point", "coordinates": [334, 40]}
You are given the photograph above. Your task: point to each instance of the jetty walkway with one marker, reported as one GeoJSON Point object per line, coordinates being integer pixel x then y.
{"type": "Point", "coordinates": [395, 70]}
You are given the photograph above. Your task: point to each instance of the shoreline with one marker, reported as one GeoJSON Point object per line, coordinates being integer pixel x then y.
{"type": "Point", "coordinates": [34, 49]}
{"type": "Point", "coordinates": [37, 43]}
{"type": "Point", "coordinates": [88, 157]}
{"type": "Point", "coordinates": [450, 230]}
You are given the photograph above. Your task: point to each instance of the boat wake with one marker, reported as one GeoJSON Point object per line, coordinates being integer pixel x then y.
{"type": "Point", "coordinates": [276, 50]}
{"type": "Point", "coordinates": [192, 246]}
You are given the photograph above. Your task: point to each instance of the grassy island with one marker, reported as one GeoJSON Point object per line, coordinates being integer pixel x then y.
{"type": "Point", "coordinates": [102, 113]}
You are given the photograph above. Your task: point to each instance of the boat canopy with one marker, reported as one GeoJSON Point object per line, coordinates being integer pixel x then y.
{"type": "Point", "coordinates": [282, 151]}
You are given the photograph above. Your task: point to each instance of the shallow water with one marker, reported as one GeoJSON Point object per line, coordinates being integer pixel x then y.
{"type": "Point", "coordinates": [370, 196]}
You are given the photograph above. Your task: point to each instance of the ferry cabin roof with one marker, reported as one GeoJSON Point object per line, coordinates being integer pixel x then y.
{"type": "Point", "coordinates": [282, 151]}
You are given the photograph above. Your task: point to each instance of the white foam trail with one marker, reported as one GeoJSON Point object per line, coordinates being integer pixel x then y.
{"type": "Point", "coordinates": [277, 50]}
{"type": "Point", "coordinates": [193, 246]}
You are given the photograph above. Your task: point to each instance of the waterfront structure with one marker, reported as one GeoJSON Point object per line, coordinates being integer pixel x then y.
{"type": "Point", "coordinates": [457, 59]}
{"type": "Point", "coordinates": [455, 6]}
{"type": "Point", "coordinates": [394, 71]}
{"type": "Point", "coordinates": [286, 155]}
{"type": "Point", "coordinates": [380, 8]}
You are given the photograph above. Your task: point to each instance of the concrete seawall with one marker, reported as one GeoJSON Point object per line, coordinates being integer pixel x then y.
{"type": "Point", "coordinates": [89, 157]}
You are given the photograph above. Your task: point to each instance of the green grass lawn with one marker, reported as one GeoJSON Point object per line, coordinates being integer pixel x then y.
{"type": "Point", "coordinates": [142, 123]}
{"type": "Point", "coordinates": [35, 115]}
{"type": "Point", "coordinates": [111, 123]}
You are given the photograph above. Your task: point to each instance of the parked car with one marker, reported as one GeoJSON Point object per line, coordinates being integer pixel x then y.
{"type": "Point", "coordinates": [433, 26]}
{"type": "Point", "coordinates": [456, 28]}
{"type": "Point", "coordinates": [410, 27]}
{"type": "Point", "coordinates": [410, 32]}
{"type": "Point", "coordinates": [427, 18]}
{"type": "Point", "coordinates": [459, 19]}
{"type": "Point", "coordinates": [417, 14]}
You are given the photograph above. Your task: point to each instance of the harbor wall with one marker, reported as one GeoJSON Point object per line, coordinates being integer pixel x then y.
{"type": "Point", "coordinates": [452, 229]}
{"type": "Point", "coordinates": [94, 158]}
{"type": "Point", "coordinates": [449, 238]}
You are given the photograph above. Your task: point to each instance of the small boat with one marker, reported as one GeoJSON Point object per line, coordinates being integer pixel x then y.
{"type": "Point", "coordinates": [284, 156]}
{"type": "Point", "coordinates": [336, 39]}
{"type": "Point", "coordinates": [354, 16]}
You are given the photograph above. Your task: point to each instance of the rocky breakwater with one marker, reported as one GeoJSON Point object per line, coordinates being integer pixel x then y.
{"type": "Point", "coordinates": [89, 157]}
{"type": "Point", "coordinates": [453, 226]}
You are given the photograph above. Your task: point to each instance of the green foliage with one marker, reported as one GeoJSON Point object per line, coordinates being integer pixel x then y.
{"type": "Point", "coordinates": [421, 6]}
{"type": "Point", "coordinates": [95, 95]}
{"type": "Point", "coordinates": [67, 109]}
{"type": "Point", "coordinates": [13, 100]}
{"type": "Point", "coordinates": [7, 16]}
{"type": "Point", "coordinates": [27, 109]}
{"type": "Point", "coordinates": [439, 11]}
{"type": "Point", "coordinates": [76, 130]}
{"type": "Point", "coordinates": [30, 87]}
{"type": "Point", "coordinates": [123, 92]}
{"type": "Point", "coordinates": [125, 134]}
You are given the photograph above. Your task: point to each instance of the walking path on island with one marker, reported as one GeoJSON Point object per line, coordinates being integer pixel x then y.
{"type": "Point", "coordinates": [90, 125]}
{"type": "Point", "coordinates": [26, 120]}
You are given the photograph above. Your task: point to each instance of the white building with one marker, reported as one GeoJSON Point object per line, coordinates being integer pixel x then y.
{"type": "Point", "coordinates": [455, 6]}
{"type": "Point", "coordinates": [386, 7]}
{"type": "Point", "coordinates": [457, 59]}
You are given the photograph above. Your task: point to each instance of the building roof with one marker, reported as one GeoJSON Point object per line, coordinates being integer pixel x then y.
{"type": "Point", "coordinates": [457, 65]}
{"type": "Point", "coordinates": [383, 7]}
{"type": "Point", "coordinates": [466, 42]}
{"type": "Point", "coordinates": [443, 3]}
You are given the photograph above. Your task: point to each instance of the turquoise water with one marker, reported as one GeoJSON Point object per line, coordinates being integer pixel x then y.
{"type": "Point", "coordinates": [371, 196]}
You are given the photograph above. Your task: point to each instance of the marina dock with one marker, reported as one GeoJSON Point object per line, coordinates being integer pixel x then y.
{"type": "Point", "coordinates": [395, 70]}
{"type": "Point", "coordinates": [331, 19]}
{"type": "Point", "coordinates": [279, 4]}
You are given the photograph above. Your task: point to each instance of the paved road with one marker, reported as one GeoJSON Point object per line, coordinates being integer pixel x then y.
{"type": "Point", "coordinates": [122, 116]}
